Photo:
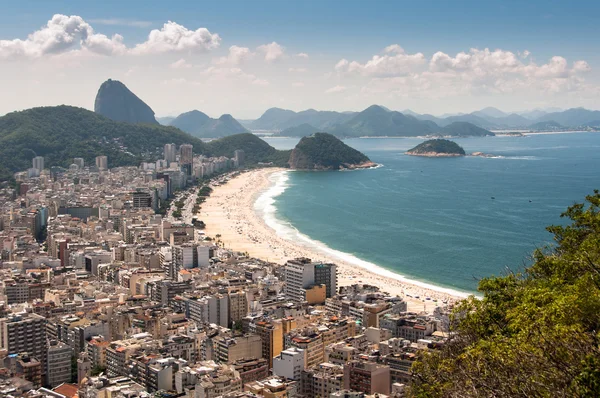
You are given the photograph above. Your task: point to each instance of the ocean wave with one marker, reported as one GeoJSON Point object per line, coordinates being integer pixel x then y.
{"type": "Point", "coordinates": [265, 206]}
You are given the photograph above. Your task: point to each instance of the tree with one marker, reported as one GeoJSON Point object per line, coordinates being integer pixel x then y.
{"type": "Point", "coordinates": [535, 332]}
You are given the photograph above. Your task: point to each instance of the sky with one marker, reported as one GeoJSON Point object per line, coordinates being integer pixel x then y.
{"type": "Point", "coordinates": [243, 57]}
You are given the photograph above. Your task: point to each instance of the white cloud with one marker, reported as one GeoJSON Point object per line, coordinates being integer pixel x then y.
{"type": "Point", "coordinates": [180, 64]}
{"type": "Point", "coordinates": [62, 33]}
{"type": "Point", "coordinates": [394, 48]}
{"type": "Point", "coordinates": [395, 62]}
{"type": "Point", "coordinates": [302, 55]}
{"type": "Point", "coordinates": [237, 55]}
{"type": "Point", "coordinates": [272, 51]}
{"type": "Point", "coordinates": [121, 22]}
{"type": "Point", "coordinates": [335, 90]}
{"type": "Point", "coordinates": [177, 38]}
{"type": "Point", "coordinates": [297, 70]}
{"type": "Point", "coordinates": [297, 84]}
{"type": "Point", "coordinates": [341, 65]}
{"type": "Point", "coordinates": [476, 72]}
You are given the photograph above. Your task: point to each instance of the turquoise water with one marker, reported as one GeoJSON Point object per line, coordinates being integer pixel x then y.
{"type": "Point", "coordinates": [444, 221]}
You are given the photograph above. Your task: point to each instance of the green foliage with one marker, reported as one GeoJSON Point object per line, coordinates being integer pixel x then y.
{"type": "Point", "coordinates": [62, 133]}
{"type": "Point", "coordinates": [324, 151]}
{"type": "Point", "coordinates": [533, 333]}
{"type": "Point", "coordinates": [438, 146]}
{"type": "Point", "coordinates": [96, 370]}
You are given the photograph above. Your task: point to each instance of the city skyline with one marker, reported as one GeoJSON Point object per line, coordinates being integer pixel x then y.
{"type": "Point", "coordinates": [441, 59]}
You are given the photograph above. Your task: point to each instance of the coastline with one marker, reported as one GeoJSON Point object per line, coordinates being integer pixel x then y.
{"type": "Point", "coordinates": [242, 213]}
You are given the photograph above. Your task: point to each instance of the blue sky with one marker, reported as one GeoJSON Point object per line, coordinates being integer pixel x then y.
{"type": "Point", "coordinates": [328, 31]}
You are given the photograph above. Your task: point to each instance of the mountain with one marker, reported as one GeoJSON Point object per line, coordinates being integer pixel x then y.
{"type": "Point", "coordinates": [116, 102]}
{"type": "Point", "coordinates": [573, 117]}
{"type": "Point", "coordinates": [165, 120]}
{"type": "Point", "coordinates": [377, 122]}
{"type": "Point", "coordinates": [464, 129]}
{"type": "Point", "coordinates": [255, 149]}
{"type": "Point", "coordinates": [60, 133]}
{"type": "Point", "coordinates": [281, 119]}
{"type": "Point", "coordinates": [201, 125]}
{"type": "Point", "coordinates": [489, 112]}
{"type": "Point", "coordinates": [469, 118]}
{"type": "Point", "coordinates": [533, 114]}
{"type": "Point", "coordinates": [437, 148]}
{"type": "Point", "coordinates": [272, 119]}
{"type": "Point", "coordinates": [322, 151]}
{"type": "Point", "coordinates": [190, 122]}
{"type": "Point", "coordinates": [550, 125]}
{"type": "Point", "coordinates": [298, 131]}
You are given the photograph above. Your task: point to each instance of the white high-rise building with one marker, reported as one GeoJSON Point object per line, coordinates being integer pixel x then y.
{"type": "Point", "coordinates": [290, 363]}
{"type": "Point", "coordinates": [102, 162]}
{"type": "Point", "coordinates": [302, 273]}
{"type": "Point", "coordinates": [38, 163]}
{"type": "Point", "coordinates": [170, 153]}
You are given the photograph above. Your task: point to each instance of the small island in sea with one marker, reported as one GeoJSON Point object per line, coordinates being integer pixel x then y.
{"type": "Point", "coordinates": [322, 151]}
{"type": "Point", "coordinates": [437, 148]}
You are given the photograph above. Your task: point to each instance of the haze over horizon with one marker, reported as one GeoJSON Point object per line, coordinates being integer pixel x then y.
{"type": "Point", "coordinates": [243, 58]}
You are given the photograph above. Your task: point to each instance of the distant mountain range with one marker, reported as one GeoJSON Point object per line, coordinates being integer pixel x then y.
{"type": "Point", "coordinates": [118, 103]}
{"type": "Point", "coordinates": [201, 125]}
{"type": "Point", "coordinates": [375, 121]}
{"type": "Point", "coordinates": [290, 123]}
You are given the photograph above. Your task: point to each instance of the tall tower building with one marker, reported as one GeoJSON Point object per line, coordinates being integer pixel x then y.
{"type": "Point", "coordinates": [58, 368]}
{"type": "Point", "coordinates": [170, 153]}
{"type": "Point", "coordinates": [186, 158]}
{"type": "Point", "coordinates": [102, 162]}
{"type": "Point", "coordinates": [302, 274]}
{"type": "Point", "coordinates": [38, 163]}
{"type": "Point", "coordinates": [239, 157]}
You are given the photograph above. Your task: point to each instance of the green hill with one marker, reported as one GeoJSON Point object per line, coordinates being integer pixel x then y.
{"type": "Point", "coordinates": [115, 101]}
{"type": "Point", "coordinates": [255, 149]}
{"type": "Point", "coordinates": [323, 151]}
{"type": "Point", "coordinates": [61, 133]}
{"type": "Point", "coordinates": [535, 331]}
{"type": "Point", "coordinates": [437, 147]}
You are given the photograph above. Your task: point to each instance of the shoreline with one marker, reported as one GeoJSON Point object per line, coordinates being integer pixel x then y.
{"type": "Point", "coordinates": [242, 213]}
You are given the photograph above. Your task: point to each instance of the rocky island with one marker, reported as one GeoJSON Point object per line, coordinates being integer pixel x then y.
{"type": "Point", "coordinates": [322, 151]}
{"type": "Point", "coordinates": [437, 148]}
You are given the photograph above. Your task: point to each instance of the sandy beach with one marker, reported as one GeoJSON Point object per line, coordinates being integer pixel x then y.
{"type": "Point", "coordinates": [230, 212]}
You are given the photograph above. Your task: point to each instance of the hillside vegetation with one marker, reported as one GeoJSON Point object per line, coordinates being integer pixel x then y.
{"type": "Point", "coordinates": [323, 151]}
{"type": "Point", "coordinates": [437, 146]}
{"type": "Point", "coordinates": [534, 333]}
{"type": "Point", "coordinates": [61, 133]}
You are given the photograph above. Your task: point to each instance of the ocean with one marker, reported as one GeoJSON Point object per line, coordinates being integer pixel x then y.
{"type": "Point", "coordinates": [446, 222]}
